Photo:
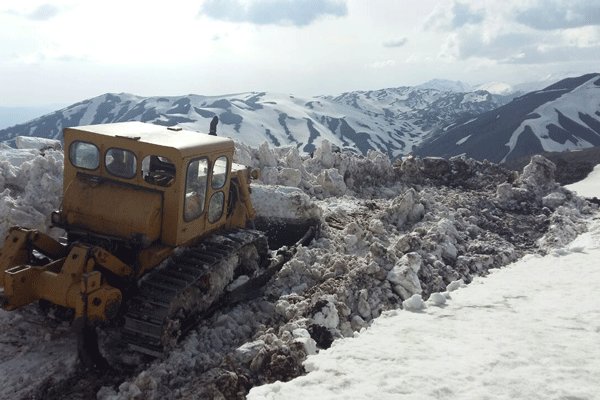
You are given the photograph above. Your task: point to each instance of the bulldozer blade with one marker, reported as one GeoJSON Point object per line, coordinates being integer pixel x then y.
{"type": "Point", "coordinates": [88, 350]}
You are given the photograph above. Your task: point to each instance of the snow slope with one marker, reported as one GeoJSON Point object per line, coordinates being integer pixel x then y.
{"type": "Point", "coordinates": [527, 331]}
{"type": "Point", "coordinates": [563, 116]}
{"type": "Point", "coordinates": [580, 105]}
{"type": "Point", "coordinates": [589, 187]}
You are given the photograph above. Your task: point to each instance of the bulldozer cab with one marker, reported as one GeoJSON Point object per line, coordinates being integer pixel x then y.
{"type": "Point", "coordinates": [144, 183]}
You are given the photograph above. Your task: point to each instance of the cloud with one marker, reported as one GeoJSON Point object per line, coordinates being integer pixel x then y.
{"type": "Point", "coordinates": [450, 17]}
{"type": "Point", "coordinates": [500, 47]}
{"type": "Point", "coordinates": [552, 55]}
{"type": "Point", "coordinates": [43, 13]}
{"type": "Point", "coordinates": [273, 12]}
{"type": "Point", "coordinates": [519, 48]}
{"type": "Point", "coordinates": [560, 14]}
{"type": "Point", "coordinates": [396, 43]}
{"type": "Point", "coordinates": [382, 64]}
{"type": "Point", "coordinates": [463, 15]}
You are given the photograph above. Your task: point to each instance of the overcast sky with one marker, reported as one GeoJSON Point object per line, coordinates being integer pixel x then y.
{"type": "Point", "coordinates": [65, 51]}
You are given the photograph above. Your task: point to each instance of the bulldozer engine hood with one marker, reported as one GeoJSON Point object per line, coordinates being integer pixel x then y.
{"type": "Point", "coordinates": [113, 208]}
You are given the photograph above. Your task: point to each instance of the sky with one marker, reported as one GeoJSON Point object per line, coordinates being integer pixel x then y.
{"type": "Point", "coordinates": [64, 51]}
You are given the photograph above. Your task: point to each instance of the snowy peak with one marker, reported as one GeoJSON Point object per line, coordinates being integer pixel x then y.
{"type": "Point", "coordinates": [563, 116]}
{"type": "Point", "coordinates": [392, 121]}
{"type": "Point", "coordinates": [500, 88]}
{"type": "Point", "coordinates": [444, 85]}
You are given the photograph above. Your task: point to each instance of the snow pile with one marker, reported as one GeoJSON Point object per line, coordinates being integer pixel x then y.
{"type": "Point", "coordinates": [328, 173]}
{"type": "Point", "coordinates": [30, 188]}
{"type": "Point", "coordinates": [27, 142]}
{"type": "Point", "coordinates": [393, 235]}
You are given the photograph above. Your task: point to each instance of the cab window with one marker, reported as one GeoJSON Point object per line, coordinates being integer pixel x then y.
{"type": "Point", "coordinates": [215, 207]}
{"type": "Point", "coordinates": [195, 189]}
{"type": "Point", "coordinates": [219, 176]}
{"type": "Point", "coordinates": [120, 162]}
{"type": "Point", "coordinates": [158, 170]}
{"type": "Point", "coordinates": [84, 155]}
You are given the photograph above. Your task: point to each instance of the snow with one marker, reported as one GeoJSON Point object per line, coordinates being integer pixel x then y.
{"type": "Point", "coordinates": [28, 142]}
{"type": "Point", "coordinates": [445, 85]}
{"type": "Point", "coordinates": [404, 235]}
{"type": "Point", "coordinates": [30, 187]}
{"type": "Point", "coordinates": [475, 97]}
{"type": "Point", "coordinates": [527, 331]}
{"type": "Point", "coordinates": [463, 140]}
{"type": "Point", "coordinates": [501, 88]}
{"type": "Point", "coordinates": [32, 352]}
{"type": "Point", "coordinates": [589, 187]}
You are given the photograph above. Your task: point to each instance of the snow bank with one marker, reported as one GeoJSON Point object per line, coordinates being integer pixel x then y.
{"type": "Point", "coordinates": [28, 142]}
{"type": "Point", "coordinates": [30, 188]}
{"type": "Point", "coordinates": [520, 333]}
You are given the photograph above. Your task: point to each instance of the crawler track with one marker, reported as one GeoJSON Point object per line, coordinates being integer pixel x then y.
{"type": "Point", "coordinates": [172, 298]}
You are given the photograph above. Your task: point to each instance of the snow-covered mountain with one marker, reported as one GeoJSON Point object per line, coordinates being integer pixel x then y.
{"type": "Point", "coordinates": [445, 85]}
{"type": "Point", "coordinates": [501, 88]}
{"type": "Point", "coordinates": [388, 120]}
{"type": "Point", "coordinates": [563, 116]}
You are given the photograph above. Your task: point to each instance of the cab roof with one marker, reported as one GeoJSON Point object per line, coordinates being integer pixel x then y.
{"type": "Point", "coordinates": [188, 143]}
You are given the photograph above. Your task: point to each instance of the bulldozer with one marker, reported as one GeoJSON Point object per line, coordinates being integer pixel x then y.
{"type": "Point", "coordinates": [158, 224]}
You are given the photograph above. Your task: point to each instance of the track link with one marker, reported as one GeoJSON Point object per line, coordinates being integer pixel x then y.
{"type": "Point", "coordinates": [172, 298]}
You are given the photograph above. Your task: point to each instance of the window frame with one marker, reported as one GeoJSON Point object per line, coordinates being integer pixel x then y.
{"type": "Point", "coordinates": [226, 175]}
{"type": "Point", "coordinates": [186, 192]}
{"type": "Point", "coordinates": [222, 194]}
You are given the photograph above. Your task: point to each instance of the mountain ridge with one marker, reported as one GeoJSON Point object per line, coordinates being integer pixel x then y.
{"type": "Point", "coordinates": [562, 116]}
{"type": "Point", "coordinates": [392, 121]}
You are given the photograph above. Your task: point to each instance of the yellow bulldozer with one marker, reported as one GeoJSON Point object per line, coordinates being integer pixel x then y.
{"type": "Point", "coordinates": [158, 223]}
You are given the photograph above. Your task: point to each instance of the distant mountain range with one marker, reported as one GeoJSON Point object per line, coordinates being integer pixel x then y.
{"type": "Point", "coordinates": [439, 118]}
{"type": "Point", "coordinates": [392, 121]}
{"type": "Point", "coordinates": [563, 116]}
